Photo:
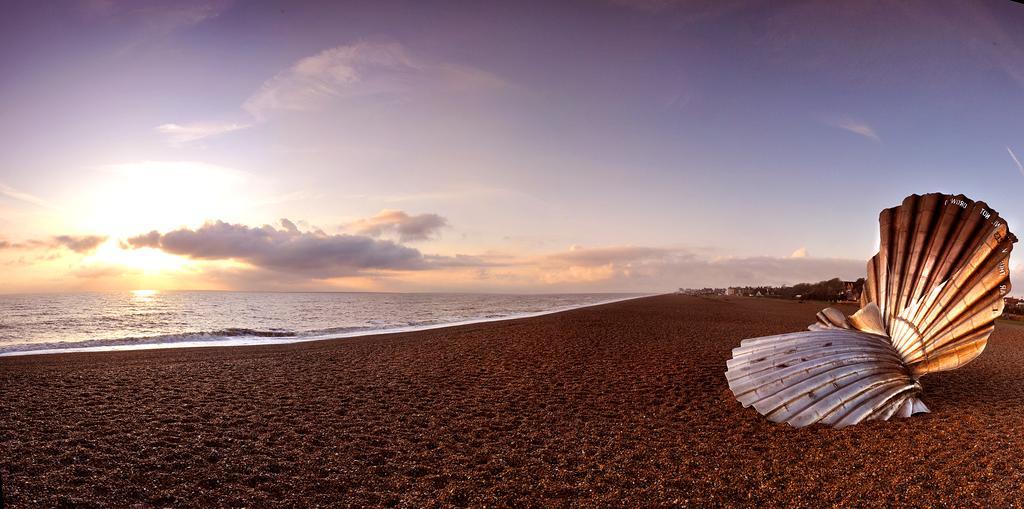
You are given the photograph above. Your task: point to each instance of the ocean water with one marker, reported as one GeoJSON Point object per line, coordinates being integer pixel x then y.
{"type": "Point", "coordinates": [48, 323]}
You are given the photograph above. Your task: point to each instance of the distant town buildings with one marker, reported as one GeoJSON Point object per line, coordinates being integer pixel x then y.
{"type": "Point", "coordinates": [851, 291]}
{"type": "Point", "coordinates": [701, 291]}
{"type": "Point", "coordinates": [833, 290]}
{"type": "Point", "coordinates": [738, 291]}
{"type": "Point", "coordinates": [1013, 305]}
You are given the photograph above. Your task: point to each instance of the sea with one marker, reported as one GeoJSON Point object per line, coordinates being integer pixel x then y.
{"type": "Point", "coordinates": [146, 319]}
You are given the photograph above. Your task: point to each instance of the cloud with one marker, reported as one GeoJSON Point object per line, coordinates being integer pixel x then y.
{"type": "Point", "coordinates": [151, 239]}
{"type": "Point", "coordinates": [855, 127]}
{"type": "Point", "coordinates": [287, 250]}
{"type": "Point", "coordinates": [287, 257]}
{"type": "Point", "coordinates": [799, 253]}
{"type": "Point", "coordinates": [342, 71]}
{"type": "Point", "coordinates": [363, 69]}
{"type": "Point", "coordinates": [626, 268]}
{"type": "Point", "coordinates": [474, 261]}
{"type": "Point", "coordinates": [15, 194]}
{"type": "Point", "coordinates": [81, 244]}
{"type": "Point", "coordinates": [1020, 166]}
{"type": "Point", "coordinates": [582, 256]}
{"type": "Point", "coordinates": [639, 268]}
{"type": "Point", "coordinates": [289, 226]}
{"type": "Point", "coordinates": [180, 134]}
{"type": "Point", "coordinates": [359, 70]}
{"type": "Point", "coordinates": [397, 222]}
{"type": "Point", "coordinates": [155, 16]}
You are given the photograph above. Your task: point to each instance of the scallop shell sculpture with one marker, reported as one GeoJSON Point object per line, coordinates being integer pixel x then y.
{"type": "Point", "coordinates": [929, 304]}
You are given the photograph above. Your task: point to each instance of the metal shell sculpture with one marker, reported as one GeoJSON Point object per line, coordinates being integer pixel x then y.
{"type": "Point", "coordinates": [929, 304]}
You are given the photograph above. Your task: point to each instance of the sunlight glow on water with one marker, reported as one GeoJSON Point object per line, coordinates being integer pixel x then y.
{"type": "Point", "coordinates": [48, 321]}
{"type": "Point", "coordinates": [144, 295]}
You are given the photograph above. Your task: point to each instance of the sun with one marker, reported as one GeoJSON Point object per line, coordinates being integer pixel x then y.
{"type": "Point", "coordinates": [148, 262]}
{"type": "Point", "coordinates": [125, 200]}
{"type": "Point", "coordinates": [131, 199]}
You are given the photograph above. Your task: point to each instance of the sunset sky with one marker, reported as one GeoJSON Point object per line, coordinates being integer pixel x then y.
{"type": "Point", "coordinates": [497, 147]}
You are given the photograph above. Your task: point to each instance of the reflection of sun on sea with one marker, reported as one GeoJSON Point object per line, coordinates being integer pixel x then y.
{"type": "Point", "coordinates": [144, 295]}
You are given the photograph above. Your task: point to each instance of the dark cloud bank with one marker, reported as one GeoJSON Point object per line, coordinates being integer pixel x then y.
{"type": "Point", "coordinates": [298, 257]}
{"type": "Point", "coordinates": [313, 254]}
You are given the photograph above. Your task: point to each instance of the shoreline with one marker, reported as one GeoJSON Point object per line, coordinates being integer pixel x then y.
{"type": "Point", "coordinates": [620, 405]}
{"type": "Point", "coordinates": [243, 341]}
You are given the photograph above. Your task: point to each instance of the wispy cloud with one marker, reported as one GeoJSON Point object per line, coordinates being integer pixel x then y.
{"type": "Point", "coordinates": [81, 244]}
{"type": "Point", "coordinates": [644, 268]}
{"type": "Point", "coordinates": [180, 134]}
{"type": "Point", "coordinates": [155, 16]}
{"type": "Point", "coordinates": [854, 126]}
{"type": "Point", "coordinates": [342, 71]}
{"type": "Point", "coordinates": [363, 69]}
{"type": "Point", "coordinates": [21, 196]}
{"type": "Point", "coordinates": [1020, 166]}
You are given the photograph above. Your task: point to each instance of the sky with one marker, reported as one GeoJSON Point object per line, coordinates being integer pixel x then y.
{"type": "Point", "coordinates": [626, 145]}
